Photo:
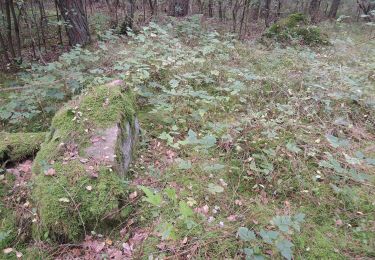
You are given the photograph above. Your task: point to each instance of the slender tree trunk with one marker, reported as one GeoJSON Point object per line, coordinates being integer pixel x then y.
{"type": "Point", "coordinates": [42, 22]}
{"type": "Point", "coordinates": [255, 7]}
{"type": "Point", "coordinates": [4, 49]}
{"type": "Point", "coordinates": [267, 11]}
{"type": "Point", "coordinates": [17, 32]}
{"type": "Point", "coordinates": [210, 8]}
{"type": "Point", "coordinates": [279, 5]}
{"type": "Point", "coordinates": [234, 14]}
{"type": "Point", "coordinates": [74, 15]}
{"type": "Point", "coordinates": [314, 10]}
{"type": "Point", "coordinates": [152, 7]}
{"type": "Point", "coordinates": [244, 12]}
{"type": "Point", "coordinates": [59, 31]}
{"type": "Point", "coordinates": [9, 28]}
{"type": "Point", "coordinates": [221, 16]}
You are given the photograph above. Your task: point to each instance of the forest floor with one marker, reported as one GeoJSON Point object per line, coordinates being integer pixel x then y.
{"type": "Point", "coordinates": [246, 150]}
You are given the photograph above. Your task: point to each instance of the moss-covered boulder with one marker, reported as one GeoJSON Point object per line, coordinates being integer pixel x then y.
{"type": "Point", "coordinates": [80, 171]}
{"type": "Point", "coordinates": [294, 28]}
{"type": "Point", "coordinates": [18, 146]}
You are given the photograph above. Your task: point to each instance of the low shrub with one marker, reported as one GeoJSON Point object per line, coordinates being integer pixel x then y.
{"type": "Point", "coordinates": [296, 28]}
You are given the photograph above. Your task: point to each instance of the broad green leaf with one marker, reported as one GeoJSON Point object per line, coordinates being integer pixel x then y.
{"type": "Point", "coordinates": [167, 137]}
{"type": "Point", "coordinates": [185, 210]}
{"type": "Point", "coordinates": [269, 236]}
{"type": "Point", "coordinates": [171, 194]}
{"type": "Point", "coordinates": [245, 234]}
{"type": "Point", "coordinates": [213, 188]}
{"type": "Point", "coordinates": [154, 199]}
{"type": "Point", "coordinates": [250, 254]}
{"type": "Point", "coordinates": [285, 248]}
{"type": "Point", "coordinates": [213, 167]}
{"type": "Point", "coordinates": [167, 231]}
{"type": "Point", "coordinates": [184, 165]}
{"type": "Point", "coordinates": [337, 142]}
{"type": "Point", "coordinates": [291, 146]}
{"type": "Point", "coordinates": [282, 222]}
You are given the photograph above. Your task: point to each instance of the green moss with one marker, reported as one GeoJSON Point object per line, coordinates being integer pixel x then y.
{"type": "Point", "coordinates": [18, 146]}
{"type": "Point", "coordinates": [8, 227]}
{"type": "Point", "coordinates": [101, 107]}
{"type": "Point", "coordinates": [295, 27]}
{"type": "Point", "coordinates": [319, 242]}
{"type": "Point", "coordinates": [66, 208]}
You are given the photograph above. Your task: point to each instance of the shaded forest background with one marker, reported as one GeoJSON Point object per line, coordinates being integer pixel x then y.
{"type": "Point", "coordinates": [37, 30]}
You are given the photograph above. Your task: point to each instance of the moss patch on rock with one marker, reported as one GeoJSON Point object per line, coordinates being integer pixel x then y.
{"type": "Point", "coordinates": [72, 203]}
{"type": "Point", "coordinates": [8, 228]}
{"type": "Point", "coordinates": [17, 146]}
{"type": "Point", "coordinates": [75, 192]}
{"type": "Point", "coordinates": [296, 28]}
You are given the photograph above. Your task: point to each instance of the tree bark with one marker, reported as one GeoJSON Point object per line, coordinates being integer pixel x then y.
{"type": "Point", "coordinates": [254, 13]}
{"type": "Point", "coordinates": [17, 33]}
{"type": "Point", "coordinates": [210, 8]}
{"type": "Point", "coordinates": [314, 10]}
{"type": "Point", "coordinates": [267, 10]}
{"type": "Point", "coordinates": [9, 28]}
{"type": "Point", "coordinates": [3, 49]}
{"type": "Point", "coordinates": [334, 7]}
{"type": "Point", "coordinates": [74, 15]}
{"type": "Point", "coordinates": [221, 16]}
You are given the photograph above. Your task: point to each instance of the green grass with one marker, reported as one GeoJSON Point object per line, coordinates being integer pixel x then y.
{"type": "Point", "coordinates": [283, 98]}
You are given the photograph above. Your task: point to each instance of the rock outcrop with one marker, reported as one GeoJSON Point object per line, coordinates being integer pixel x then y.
{"type": "Point", "coordinates": [80, 171]}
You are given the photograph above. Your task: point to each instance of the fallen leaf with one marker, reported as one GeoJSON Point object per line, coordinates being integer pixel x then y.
{"type": "Point", "coordinates": [8, 250]}
{"type": "Point", "coordinates": [133, 195]}
{"type": "Point", "coordinates": [184, 241]}
{"type": "Point", "coordinates": [238, 202]}
{"type": "Point", "coordinates": [50, 172]}
{"type": "Point", "coordinates": [108, 242]}
{"type": "Point", "coordinates": [83, 160]}
{"type": "Point", "coordinates": [339, 223]}
{"type": "Point", "coordinates": [128, 249]}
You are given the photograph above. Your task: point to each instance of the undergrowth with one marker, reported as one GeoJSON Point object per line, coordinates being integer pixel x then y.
{"type": "Point", "coordinates": [248, 152]}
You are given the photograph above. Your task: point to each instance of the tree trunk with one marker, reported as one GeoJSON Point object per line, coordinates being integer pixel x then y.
{"type": "Point", "coordinates": [9, 28]}
{"type": "Point", "coordinates": [254, 13]}
{"type": "Point", "coordinates": [210, 8]}
{"type": "Point", "coordinates": [334, 7]}
{"type": "Point", "coordinates": [267, 10]}
{"type": "Point", "coordinates": [314, 10]}
{"type": "Point", "coordinates": [178, 8]}
{"type": "Point", "coordinates": [279, 5]}
{"type": "Point", "coordinates": [74, 15]}
{"type": "Point", "coordinates": [221, 16]}
{"type": "Point", "coordinates": [4, 50]}
{"type": "Point", "coordinates": [17, 33]}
